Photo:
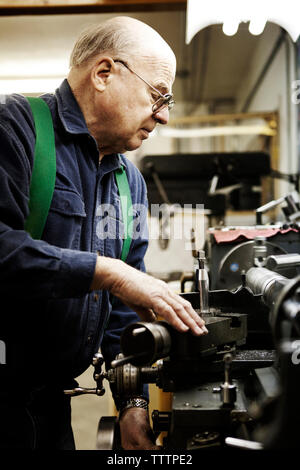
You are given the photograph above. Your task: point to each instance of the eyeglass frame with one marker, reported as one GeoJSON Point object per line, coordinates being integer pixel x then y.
{"type": "Point", "coordinates": [168, 99]}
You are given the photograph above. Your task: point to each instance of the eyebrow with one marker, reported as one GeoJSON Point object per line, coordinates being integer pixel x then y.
{"type": "Point", "coordinates": [162, 87]}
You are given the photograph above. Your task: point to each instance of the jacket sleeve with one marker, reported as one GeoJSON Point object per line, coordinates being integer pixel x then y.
{"type": "Point", "coordinates": [33, 268]}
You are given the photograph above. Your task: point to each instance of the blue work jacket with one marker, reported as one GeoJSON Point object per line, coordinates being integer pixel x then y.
{"type": "Point", "coordinates": [50, 322]}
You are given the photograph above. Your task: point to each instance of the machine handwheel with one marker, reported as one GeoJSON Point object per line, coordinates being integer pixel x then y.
{"type": "Point", "coordinates": [108, 434]}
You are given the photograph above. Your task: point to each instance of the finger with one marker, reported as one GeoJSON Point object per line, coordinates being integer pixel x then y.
{"type": "Point", "coordinates": [166, 292]}
{"type": "Point", "coordinates": [188, 316]}
{"type": "Point", "coordinates": [189, 309]}
{"type": "Point", "coordinates": [166, 311]}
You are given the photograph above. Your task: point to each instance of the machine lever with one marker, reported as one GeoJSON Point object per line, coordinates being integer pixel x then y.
{"type": "Point", "coordinates": [228, 389]}
{"type": "Point", "coordinates": [98, 376]}
{"type": "Point", "coordinates": [126, 359]}
{"type": "Point", "coordinates": [82, 391]}
{"type": "Point", "coordinates": [243, 443]}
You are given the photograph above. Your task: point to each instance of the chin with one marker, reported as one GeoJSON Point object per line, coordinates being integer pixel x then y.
{"type": "Point", "coordinates": [133, 145]}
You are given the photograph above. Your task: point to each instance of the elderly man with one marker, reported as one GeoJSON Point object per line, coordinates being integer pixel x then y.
{"type": "Point", "coordinates": [68, 293]}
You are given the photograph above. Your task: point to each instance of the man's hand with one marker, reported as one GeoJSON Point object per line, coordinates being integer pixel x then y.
{"type": "Point", "coordinates": [146, 295]}
{"type": "Point", "coordinates": [136, 432]}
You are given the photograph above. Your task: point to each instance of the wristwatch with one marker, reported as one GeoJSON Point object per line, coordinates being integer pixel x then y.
{"type": "Point", "coordinates": [133, 403]}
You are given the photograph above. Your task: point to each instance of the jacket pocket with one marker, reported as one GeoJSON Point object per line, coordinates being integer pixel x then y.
{"type": "Point", "coordinates": [65, 219]}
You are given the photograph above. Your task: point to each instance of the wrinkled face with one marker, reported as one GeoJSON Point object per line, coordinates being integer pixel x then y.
{"type": "Point", "coordinates": [126, 110]}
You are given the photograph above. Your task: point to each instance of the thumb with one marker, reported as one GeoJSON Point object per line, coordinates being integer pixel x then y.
{"type": "Point", "coordinates": [145, 314]}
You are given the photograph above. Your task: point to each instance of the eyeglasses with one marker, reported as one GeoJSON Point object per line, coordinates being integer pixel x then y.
{"type": "Point", "coordinates": [162, 101]}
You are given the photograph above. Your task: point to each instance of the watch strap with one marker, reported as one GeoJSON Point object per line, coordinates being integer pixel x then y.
{"type": "Point", "coordinates": [133, 403]}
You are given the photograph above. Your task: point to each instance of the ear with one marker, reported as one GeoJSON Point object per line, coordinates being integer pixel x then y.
{"type": "Point", "coordinates": [101, 73]}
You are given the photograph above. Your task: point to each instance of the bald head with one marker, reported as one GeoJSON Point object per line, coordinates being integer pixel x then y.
{"type": "Point", "coordinates": [119, 70]}
{"type": "Point", "coordinates": [124, 37]}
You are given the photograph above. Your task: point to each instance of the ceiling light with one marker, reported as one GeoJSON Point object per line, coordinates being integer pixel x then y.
{"type": "Point", "coordinates": [257, 26]}
{"type": "Point", "coordinates": [215, 131]}
{"type": "Point", "coordinates": [201, 14]}
{"type": "Point", "coordinates": [230, 27]}
{"type": "Point", "coordinates": [30, 85]}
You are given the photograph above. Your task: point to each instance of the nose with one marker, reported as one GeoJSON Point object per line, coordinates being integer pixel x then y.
{"type": "Point", "coordinates": [162, 116]}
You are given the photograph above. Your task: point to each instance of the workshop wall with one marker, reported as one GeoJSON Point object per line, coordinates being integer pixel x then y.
{"type": "Point", "coordinates": [274, 92]}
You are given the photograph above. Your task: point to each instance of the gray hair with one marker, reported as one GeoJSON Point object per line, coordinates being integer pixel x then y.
{"type": "Point", "coordinates": [111, 36]}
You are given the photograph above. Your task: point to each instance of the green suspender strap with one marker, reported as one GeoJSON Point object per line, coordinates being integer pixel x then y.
{"type": "Point", "coordinates": [44, 173]}
{"type": "Point", "coordinates": [126, 206]}
{"type": "Point", "coordinates": [44, 168]}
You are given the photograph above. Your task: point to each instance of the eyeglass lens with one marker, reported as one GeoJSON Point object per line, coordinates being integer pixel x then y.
{"type": "Point", "coordinates": [163, 101]}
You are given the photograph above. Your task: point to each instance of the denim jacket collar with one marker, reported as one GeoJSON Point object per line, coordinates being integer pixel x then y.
{"type": "Point", "coordinates": [69, 111]}
{"type": "Point", "coordinates": [73, 121]}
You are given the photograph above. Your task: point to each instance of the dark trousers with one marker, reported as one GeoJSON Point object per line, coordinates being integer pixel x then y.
{"type": "Point", "coordinates": [36, 420]}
